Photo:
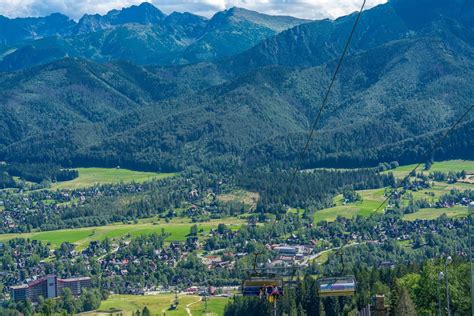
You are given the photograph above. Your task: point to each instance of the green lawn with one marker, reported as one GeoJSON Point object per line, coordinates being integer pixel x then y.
{"type": "Point", "coordinates": [323, 258]}
{"type": "Point", "coordinates": [433, 213]}
{"type": "Point", "coordinates": [81, 237]}
{"type": "Point", "coordinates": [371, 200]}
{"type": "Point", "coordinates": [90, 176]}
{"type": "Point", "coordinates": [442, 166]}
{"type": "Point", "coordinates": [159, 305]}
{"type": "Point", "coordinates": [215, 307]}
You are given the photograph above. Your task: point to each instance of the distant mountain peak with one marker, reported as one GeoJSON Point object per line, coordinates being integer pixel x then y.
{"type": "Point", "coordinates": [145, 13]}
{"type": "Point", "coordinates": [58, 15]}
{"type": "Point", "coordinates": [140, 33]}
{"type": "Point", "coordinates": [237, 14]}
{"type": "Point", "coordinates": [237, 10]}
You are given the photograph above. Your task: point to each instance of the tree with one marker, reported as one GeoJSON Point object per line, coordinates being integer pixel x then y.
{"type": "Point", "coordinates": [221, 228]}
{"type": "Point", "coordinates": [69, 303]}
{"type": "Point", "coordinates": [90, 300]}
{"type": "Point", "coordinates": [24, 307]}
{"type": "Point", "coordinates": [193, 230]}
{"type": "Point", "coordinates": [428, 165]}
{"type": "Point", "coordinates": [146, 311]}
{"type": "Point", "coordinates": [351, 196]}
{"type": "Point", "coordinates": [47, 307]}
{"type": "Point", "coordinates": [405, 306]}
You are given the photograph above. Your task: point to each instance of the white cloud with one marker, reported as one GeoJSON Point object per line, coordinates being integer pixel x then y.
{"type": "Point", "coordinates": [311, 9]}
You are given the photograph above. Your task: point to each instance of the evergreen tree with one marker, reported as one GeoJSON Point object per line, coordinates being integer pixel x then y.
{"type": "Point", "coordinates": [146, 311]}
{"type": "Point", "coordinates": [405, 306]}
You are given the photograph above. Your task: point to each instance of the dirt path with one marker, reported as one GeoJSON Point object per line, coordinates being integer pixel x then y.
{"type": "Point", "coordinates": [187, 306]}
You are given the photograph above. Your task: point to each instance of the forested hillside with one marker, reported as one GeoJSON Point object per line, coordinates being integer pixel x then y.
{"type": "Point", "coordinates": [408, 77]}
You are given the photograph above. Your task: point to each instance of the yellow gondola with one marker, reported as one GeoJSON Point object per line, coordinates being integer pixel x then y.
{"type": "Point", "coordinates": [262, 286]}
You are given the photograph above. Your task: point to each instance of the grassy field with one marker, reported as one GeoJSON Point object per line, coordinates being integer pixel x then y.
{"type": "Point", "coordinates": [159, 305]}
{"type": "Point", "coordinates": [323, 257]}
{"type": "Point", "coordinates": [249, 199]}
{"type": "Point", "coordinates": [215, 307]}
{"type": "Point", "coordinates": [433, 213]}
{"type": "Point", "coordinates": [371, 199]}
{"type": "Point", "coordinates": [90, 176]}
{"type": "Point", "coordinates": [81, 237]}
{"type": "Point", "coordinates": [437, 190]}
{"type": "Point", "coordinates": [443, 166]}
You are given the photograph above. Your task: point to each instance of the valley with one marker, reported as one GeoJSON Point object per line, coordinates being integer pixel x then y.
{"type": "Point", "coordinates": [237, 160]}
{"type": "Point", "coordinates": [178, 228]}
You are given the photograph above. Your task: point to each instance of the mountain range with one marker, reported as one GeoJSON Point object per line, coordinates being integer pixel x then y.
{"type": "Point", "coordinates": [409, 75]}
{"type": "Point", "coordinates": [141, 34]}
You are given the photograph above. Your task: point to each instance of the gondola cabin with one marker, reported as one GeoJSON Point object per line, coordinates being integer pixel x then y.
{"type": "Point", "coordinates": [344, 286]}
{"type": "Point", "coordinates": [258, 286]}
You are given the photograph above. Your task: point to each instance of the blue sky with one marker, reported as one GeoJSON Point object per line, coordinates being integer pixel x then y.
{"type": "Point", "coordinates": [311, 9]}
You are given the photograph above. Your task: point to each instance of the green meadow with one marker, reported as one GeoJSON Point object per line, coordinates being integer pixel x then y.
{"type": "Point", "coordinates": [91, 176]}
{"type": "Point", "coordinates": [215, 307]}
{"type": "Point", "coordinates": [442, 166]}
{"type": "Point", "coordinates": [159, 305]}
{"type": "Point", "coordinates": [81, 237]}
{"type": "Point", "coordinates": [433, 213]}
{"type": "Point", "coordinates": [371, 200]}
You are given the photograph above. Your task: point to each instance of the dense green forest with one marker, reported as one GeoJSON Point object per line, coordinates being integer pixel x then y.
{"type": "Point", "coordinates": [218, 114]}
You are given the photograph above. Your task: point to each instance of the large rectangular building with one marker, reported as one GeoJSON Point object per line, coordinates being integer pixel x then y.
{"type": "Point", "coordinates": [49, 287]}
{"type": "Point", "coordinates": [75, 285]}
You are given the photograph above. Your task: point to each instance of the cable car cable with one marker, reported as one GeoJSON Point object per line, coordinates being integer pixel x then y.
{"type": "Point", "coordinates": [323, 105]}
{"type": "Point", "coordinates": [315, 123]}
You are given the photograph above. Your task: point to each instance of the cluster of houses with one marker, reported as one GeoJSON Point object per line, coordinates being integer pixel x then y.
{"type": "Point", "coordinates": [19, 207]}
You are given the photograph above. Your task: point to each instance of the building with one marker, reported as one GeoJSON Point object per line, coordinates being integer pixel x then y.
{"type": "Point", "coordinates": [75, 285]}
{"type": "Point", "coordinates": [387, 265]}
{"type": "Point", "coordinates": [286, 251]}
{"type": "Point", "coordinates": [19, 292]}
{"type": "Point", "coordinates": [49, 287]}
{"type": "Point", "coordinates": [45, 287]}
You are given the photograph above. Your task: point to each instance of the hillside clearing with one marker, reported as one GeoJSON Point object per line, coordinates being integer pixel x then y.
{"type": "Point", "coordinates": [442, 166]}
{"type": "Point", "coordinates": [92, 176]}
{"type": "Point", "coordinates": [433, 213]}
{"type": "Point", "coordinates": [371, 199]}
{"type": "Point", "coordinates": [249, 199]}
{"type": "Point", "coordinates": [81, 237]}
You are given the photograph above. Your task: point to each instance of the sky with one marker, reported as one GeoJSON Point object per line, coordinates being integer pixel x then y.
{"type": "Point", "coordinates": [309, 9]}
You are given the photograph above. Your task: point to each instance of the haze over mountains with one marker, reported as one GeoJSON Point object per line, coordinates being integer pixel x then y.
{"type": "Point", "coordinates": [409, 75]}
{"type": "Point", "coordinates": [141, 34]}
